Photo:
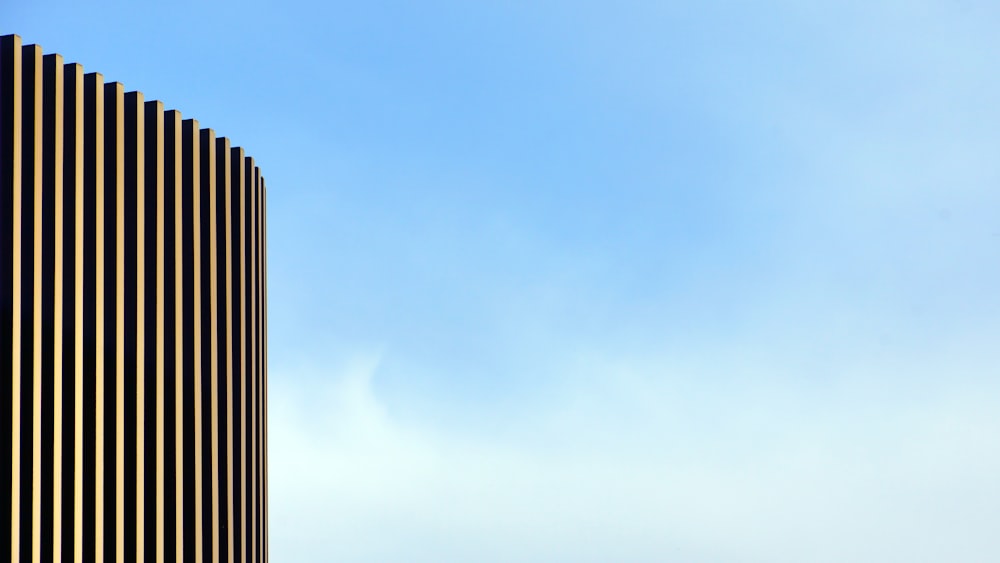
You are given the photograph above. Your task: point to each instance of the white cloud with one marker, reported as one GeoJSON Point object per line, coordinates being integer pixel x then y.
{"type": "Point", "coordinates": [638, 462]}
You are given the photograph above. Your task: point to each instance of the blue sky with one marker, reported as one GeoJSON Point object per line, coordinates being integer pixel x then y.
{"type": "Point", "coordinates": [609, 281]}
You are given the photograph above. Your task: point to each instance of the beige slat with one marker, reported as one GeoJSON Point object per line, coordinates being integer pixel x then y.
{"type": "Point", "coordinates": [193, 176]}
{"type": "Point", "coordinates": [266, 548]}
{"type": "Point", "coordinates": [238, 187]}
{"type": "Point", "coordinates": [94, 84]}
{"type": "Point", "coordinates": [157, 138]}
{"type": "Point", "coordinates": [114, 99]}
{"type": "Point", "coordinates": [259, 334]}
{"type": "Point", "coordinates": [73, 78]}
{"type": "Point", "coordinates": [135, 107]}
{"type": "Point", "coordinates": [252, 372]}
{"type": "Point", "coordinates": [31, 123]}
{"type": "Point", "coordinates": [209, 191]}
{"type": "Point", "coordinates": [172, 120]}
{"type": "Point", "coordinates": [53, 69]}
{"type": "Point", "coordinates": [225, 166]}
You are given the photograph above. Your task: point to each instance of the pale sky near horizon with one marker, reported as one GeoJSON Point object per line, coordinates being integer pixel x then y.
{"type": "Point", "coordinates": [608, 281]}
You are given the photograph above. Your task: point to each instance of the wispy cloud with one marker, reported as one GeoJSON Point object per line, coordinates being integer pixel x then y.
{"type": "Point", "coordinates": [742, 455]}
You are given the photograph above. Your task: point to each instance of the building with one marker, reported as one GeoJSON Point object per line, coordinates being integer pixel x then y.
{"type": "Point", "coordinates": [133, 311]}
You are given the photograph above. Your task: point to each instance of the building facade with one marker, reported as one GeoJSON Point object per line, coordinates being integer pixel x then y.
{"type": "Point", "coordinates": [133, 326]}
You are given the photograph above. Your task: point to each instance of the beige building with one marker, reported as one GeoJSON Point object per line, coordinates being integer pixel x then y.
{"type": "Point", "coordinates": [133, 326]}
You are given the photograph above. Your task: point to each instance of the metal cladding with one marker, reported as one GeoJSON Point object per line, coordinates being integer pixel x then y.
{"type": "Point", "coordinates": [133, 326]}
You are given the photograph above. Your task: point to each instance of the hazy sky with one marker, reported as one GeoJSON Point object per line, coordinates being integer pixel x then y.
{"type": "Point", "coordinates": [608, 281]}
